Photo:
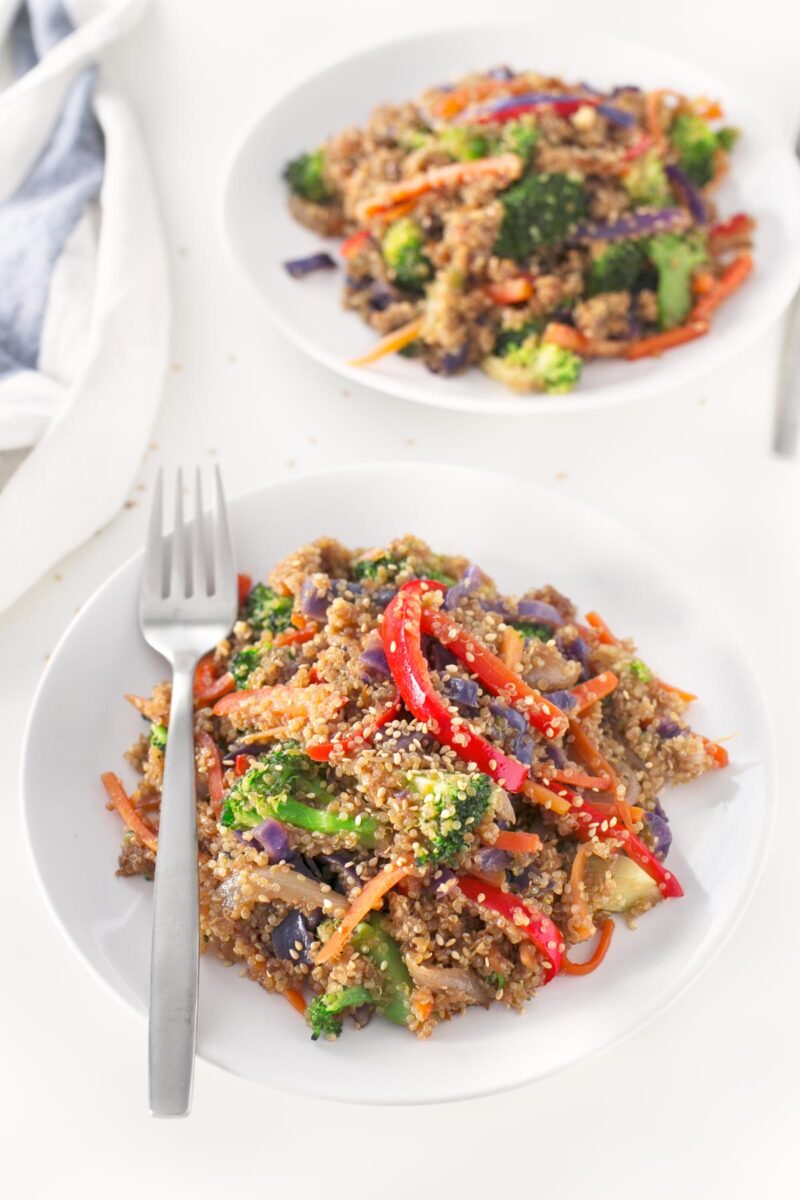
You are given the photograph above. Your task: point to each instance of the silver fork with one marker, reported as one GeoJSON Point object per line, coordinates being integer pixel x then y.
{"type": "Point", "coordinates": [187, 604]}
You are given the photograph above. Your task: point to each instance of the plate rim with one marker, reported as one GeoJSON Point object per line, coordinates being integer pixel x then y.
{"type": "Point", "coordinates": [667, 998]}
{"type": "Point", "coordinates": [717, 351]}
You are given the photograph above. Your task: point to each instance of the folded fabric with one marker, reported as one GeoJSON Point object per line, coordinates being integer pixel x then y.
{"type": "Point", "coordinates": [84, 305]}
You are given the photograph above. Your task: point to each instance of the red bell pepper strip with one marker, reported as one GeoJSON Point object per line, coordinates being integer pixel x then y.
{"type": "Point", "coordinates": [738, 224]}
{"type": "Point", "coordinates": [216, 786]}
{"type": "Point", "coordinates": [356, 737]}
{"type": "Point", "coordinates": [539, 929]}
{"type": "Point", "coordinates": [402, 641]}
{"type": "Point", "coordinates": [244, 584]}
{"type": "Point", "coordinates": [351, 245]}
{"type": "Point", "coordinates": [493, 673]}
{"type": "Point", "coordinates": [242, 764]}
{"type": "Point", "coordinates": [209, 686]}
{"type": "Point", "coordinates": [592, 823]}
{"type": "Point", "coordinates": [561, 108]}
{"type": "Point", "coordinates": [731, 278]}
{"type": "Point", "coordinates": [296, 637]}
{"type": "Point", "coordinates": [588, 693]}
{"type": "Point", "coordinates": [510, 291]}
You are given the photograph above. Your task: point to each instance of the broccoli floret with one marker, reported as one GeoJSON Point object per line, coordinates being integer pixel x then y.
{"type": "Point", "coordinates": [640, 670]}
{"type": "Point", "coordinates": [402, 248]}
{"type": "Point", "coordinates": [244, 663]}
{"type": "Point", "coordinates": [697, 143]}
{"type": "Point", "coordinates": [371, 568]}
{"type": "Point", "coordinates": [415, 139]}
{"type": "Point", "coordinates": [520, 137]}
{"type": "Point", "coordinates": [507, 339]}
{"type": "Point", "coordinates": [305, 176]}
{"type": "Point", "coordinates": [451, 806]}
{"type": "Point", "coordinates": [646, 181]}
{"type": "Point", "coordinates": [371, 939]}
{"type": "Point", "coordinates": [266, 610]}
{"type": "Point", "coordinates": [727, 138]}
{"type": "Point", "coordinates": [158, 736]}
{"type": "Point", "coordinates": [324, 1014]}
{"type": "Point", "coordinates": [530, 629]}
{"type": "Point", "coordinates": [496, 980]}
{"type": "Point", "coordinates": [273, 787]}
{"type": "Point", "coordinates": [536, 366]}
{"type": "Point", "coordinates": [676, 256]}
{"type": "Point", "coordinates": [439, 574]}
{"type": "Point", "coordinates": [616, 269]}
{"type": "Point", "coordinates": [463, 143]}
{"type": "Point", "coordinates": [540, 210]}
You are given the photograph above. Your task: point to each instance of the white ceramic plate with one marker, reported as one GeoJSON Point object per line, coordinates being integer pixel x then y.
{"type": "Point", "coordinates": [261, 235]}
{"type": "Point", "coordinates": [80, 725]}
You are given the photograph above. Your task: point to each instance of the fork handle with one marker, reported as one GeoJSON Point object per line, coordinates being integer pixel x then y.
{"type": "Point", "coordinates": [176, 926]}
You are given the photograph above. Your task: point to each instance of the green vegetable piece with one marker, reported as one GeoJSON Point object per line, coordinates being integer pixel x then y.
{"type": "Point", "coordinates": [325, 1013]}
{"type": "Point", "coordinates": [646, 181]}
{"type": "Point", "coordinates": [402, 248]}
{"type": "Point", "coordinates": [305, 176]}
{"type": "Point", "coordinates": [451, 806]}
{"type": "Point", "coordinates": [158, 736]}
{"type": "Point", "coordinates": [509, 338]}
{"type": "Point", "coordinates": [676, 256]}
{"type": "Point", "coordinates": [371, 568]}
{"type": "Point", "coordinates": [641, 670]}
{"type": "Point", "coordinates": [697, 144]}
{"type": "Point", "coordinates": [531, 629]}
{"type": "Point", "coordinates": [371, 939]}
{"type": "Point", "coordinates": [273, 787]}
{"type": "Point", "coordinates": [436, 572]}
{"type": "Point", "coordinates": [496, 980]}
{"type": "Point", "coordinates": [616, 269]}
{"type": "Point", "coordinates": [540, 210]}
{"type": "Point", "coordinates": [727, 138]}
{"type": "Point", "coordinates": [464, 144]}
{"type": "Point", "coordinates": [244, 663]}
{"type": "Point", "coordinates": [535, 365]}
{"type": "Point", "coordinates": [520, 137]}
{"type": "Point", "coordinates": [268, 611]}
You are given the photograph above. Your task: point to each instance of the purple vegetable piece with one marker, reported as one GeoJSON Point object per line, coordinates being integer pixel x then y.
{"type": "Point", "coordinates": [449, 364]}
{"type": "Point", "coordinates": [292, 939]}
{"type": "Point", "coordinates": [556, 756]}
{"type": "Point", "coordinates": [667, 729]}
{"type": "Point", "coordinates": [252, 748]}
{"type": "Point", "coordinates": [489, 859]}
{"type": "Point", "coordinates": [562, 699]}
{"type": "Point", "coordinates": [537, 610]}
{"type": "Point", "coordinates": [442, 878]}
{"type": "Point", "coordinates": [380, 296]}
{"type": "Point", "coordinates": [688, 192]}
{"type": "Point", "coordinates": [495, 605]}
{"type": "Point", "coordinates": [357, 283]}
{"type": "Point", "coordinates": [658, 824]}
{"type": "Point", "coordinates": [469, 581]}
{"type": "Point", "coordinates": [632, 225]}
{"type": "Point", "coordinates": [617, 116]}
{"type": "Point", "coordinates": [461, 691]}
{"type": "Point", "coordinates": [502, 73]}
{"type": "Point", "coordinates": [383, 596]}
{"type": "Point", "coordinates": [343, 866]}
{"type": "Point", "coordinates": [621, 89]}
{"type": "Point", "coordinates": [514, 718]}
{"type": "Point", "coordinates": [523, 748]}
{"type": "Point", "coordinates": [374, 659]}
{"type": "Point", "coordinates": [577, 651]}
{"type": "Point", "coordinates": [362, 1015]}
{"type": "Point", "coordinates": [272, 836]}
{"type": "Point", "coordinates": [311, 603]}
{"type": "Point", "coordinates": [298, 268]}
{"type": "Point", "coordinates": [305, 865]}
{"type": "Point", "coordinates": [441, 657]}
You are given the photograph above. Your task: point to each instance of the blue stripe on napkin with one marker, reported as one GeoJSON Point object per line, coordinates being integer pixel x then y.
{"type": "Point", "coordinates": [37, 220]}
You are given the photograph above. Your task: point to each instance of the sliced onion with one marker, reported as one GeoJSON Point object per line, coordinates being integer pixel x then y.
{"type": "Point", "coordinates": [455, 980]}
{"type": "Point", "coordinates": [262, 884]}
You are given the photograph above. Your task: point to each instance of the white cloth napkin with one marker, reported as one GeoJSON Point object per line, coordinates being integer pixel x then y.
{"type": "Point", "coordinates": [84, 299]}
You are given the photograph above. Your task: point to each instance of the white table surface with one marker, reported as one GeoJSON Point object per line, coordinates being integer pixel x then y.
{"type": "Point", "coordinates": [704, 1101]}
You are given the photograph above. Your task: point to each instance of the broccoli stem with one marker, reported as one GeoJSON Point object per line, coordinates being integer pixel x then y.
{"type": "Point", "coordinates": [319, 820]}
{"type": "Point", "coordinates": [371, 939]}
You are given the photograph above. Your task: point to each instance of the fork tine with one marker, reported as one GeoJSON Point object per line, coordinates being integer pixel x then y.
{"type": "Point", "coordinates": [199, 554]}
{"type": "Point", "coordinates": [224, 570]}
{"type": "Point", "coordinates": [178, 579]}
{"type": "Point", "coordinates": [154, 575]}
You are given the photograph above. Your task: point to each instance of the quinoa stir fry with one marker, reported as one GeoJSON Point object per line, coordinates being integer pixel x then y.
{"type": "Point", "coordinates": [515, 222]}
{"type": "Point", "coordinates": [416, 794]}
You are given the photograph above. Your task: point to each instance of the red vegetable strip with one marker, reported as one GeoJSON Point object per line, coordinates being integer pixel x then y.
{"type": "Point", "coordinates": [538, 928]}
{"type": "Point", "coordinates": [653, 346]}
{"type": "Point", "coordinates": [510, 291]}
{"type": "Point", "coordinates": [586, 694]}
{"type": "Point", "coordinates": [561, 108]}
{"type": "Point", "coordinates": [209, 686]}
{"type": "Point", "coordinates": [495, 676]}
{"type": "Point", "coordinates": [569, 338]}
{"type": "Point", "coordinates": [592, 822]}
{"type": "Point", "coordinates": [601, 949]}
{"type": "Point", "coordinates": [517, 842]}
{"type": "Point", "coordinates": [590, 753]}
{"type": "Point", "coordinates": [121, 801]}
{"type": "Point", "coordinates": [296, 1000]}
{"type": "Point", "coordinates": [216, 786]}
{"type": "Point", "coordinates": [359, 735]}
{"type": "Point", "coordinates": [244, 584]}
{"type": "Point", "coordinates": [370, 896]}
{"type": "Point", "coordinates": [241, 764]}
{"type": "Point", "coordinates": [351, 245]}
{"type": "Point", "coordinates": [506, 167]}
{"type": "Point", "coordinates": [296, 637]}
{"type": "Point", "coordinates": [731, 278]}
{"type": "Point", "coordinates": [638, 148]}
{"type": "Point", "coordinates": [580, 921]}
{"type": "Point", "coordinates": [598, 783]}
{"type": "Point", "coordinates": [402, 642]}
{"type": "Point", "coordinates": [604, 634]}
{"type": "Point", "coordinates": [718, 754]}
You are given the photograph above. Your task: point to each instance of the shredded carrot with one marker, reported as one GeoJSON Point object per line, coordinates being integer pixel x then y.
{"type": "Point", "coordinates": [511, 646]}
{"type": "Point", "coordinates": [588, 693]}
{"type": "Point", "coordinates": [576, 902]}
{"type": "Point", "coordinates": [601, 949]}
{"type": "Point", "coordinates": [296, 637]}
{"type": "Point", "coordinates": [505, 167]}
{"type": "Point", "coordinates": [539, 794]}
{"type": "Point", "coordinates": [731, 278]}
{"type": "Point", "coordinates": [393, 341]}
{"type": "Point", "coordinates": [121, 801]}
{"type": "Point", "coordinates": [569, 338]}
{"type": "Point", "coordinates": [216, 786]}
{"type": "Point", "coordinates": [718, 754]}
{"type": "Point", "coordinates": [450, 104]}
{"type": "Point", "coordinates": [281, 702]}
{"type": "Point", "coordinates": [296, 999]}
{"type": "Point", "coordinates": [604, 634]}
{"type": "Point", "coordinates": [687, 696]}
{"type": "Point", "coordinates": [703, 282]}
{"type": "Point", "coordinates": [709, 110]}
{"type": "Point", "coordinates": [721, 167]}
{"type": "Point", "coordinates": [370, 896]}
{"type": "Point", "coordinates": [610, 806]}
{"type": "Point", "coordinates": [578, 779]}
{"type": "Point", "coordinates": [422, 1010]}
{"type": "Point", "coordinates": [650, 347]}
{"type": "Point", "coordinates": [652, 113]}
{"type": "Point", "coordinates": [510, 291]}
{"type": "Point", "coordinates": [517, 842]}
{"type": "Point", "coordinates": [590, 753]}
{"type": "Point", "coordinates": [387, 215]}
